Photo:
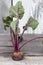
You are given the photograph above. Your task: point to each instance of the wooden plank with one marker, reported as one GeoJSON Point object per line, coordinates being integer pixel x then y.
{"type": "Point", "coordinates": [32, 48]}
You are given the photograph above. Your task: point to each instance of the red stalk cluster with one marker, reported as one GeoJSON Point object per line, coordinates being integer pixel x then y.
{"type": "Point", "coordinates": [16, 44]}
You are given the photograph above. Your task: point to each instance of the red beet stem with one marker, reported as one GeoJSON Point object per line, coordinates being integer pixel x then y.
{"type": "Point", "coordinates": [16, 39]}
{"type": "Point", "coordinates": [30, 41]}
{"type": "Point", "coordinates": [16, 44]}
{"type": "Point", "coordinates": [12, 38]}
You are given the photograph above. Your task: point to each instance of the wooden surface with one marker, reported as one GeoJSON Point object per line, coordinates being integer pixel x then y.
{"type": "Point", "coordinates": [33, 48]}
{"type": "Point", "coordinates": [26, 61]}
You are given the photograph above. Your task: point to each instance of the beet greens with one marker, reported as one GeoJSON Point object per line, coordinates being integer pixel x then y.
{"type": "Point", "coordinates": [17, 12]}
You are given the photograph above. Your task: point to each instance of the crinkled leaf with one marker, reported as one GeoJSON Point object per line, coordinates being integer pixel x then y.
{"type": "Point", "coordinates": [6, 20]}
{"type": "Point", "coordinates": [13, 25]}
{"type": "Point", "coordinates": [12, 11]}
{"type": "Point", "coordinates": [32, 23]}
{"type": "Point", "coordinates": [17, 10]}
{"type": "Point", "coordinates": [20, 9]}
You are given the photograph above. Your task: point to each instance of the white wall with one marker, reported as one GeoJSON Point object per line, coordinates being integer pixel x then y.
{"type": "Point", "coordinates": [4, 6]}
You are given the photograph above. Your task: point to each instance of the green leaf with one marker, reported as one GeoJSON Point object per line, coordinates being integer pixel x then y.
{"type": "Point", "coordinates": [13, 25]}
{"type": "Point", "coordinates": [6, 20]}
{"type": "Point", "coordinates": [12, 11]}
{"type": "Point", "coordinates": [17, 10]}
{"type": "Point", "coordinates": [20, 9]}
{"type": "Point", "coordinates": [32, 23]}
